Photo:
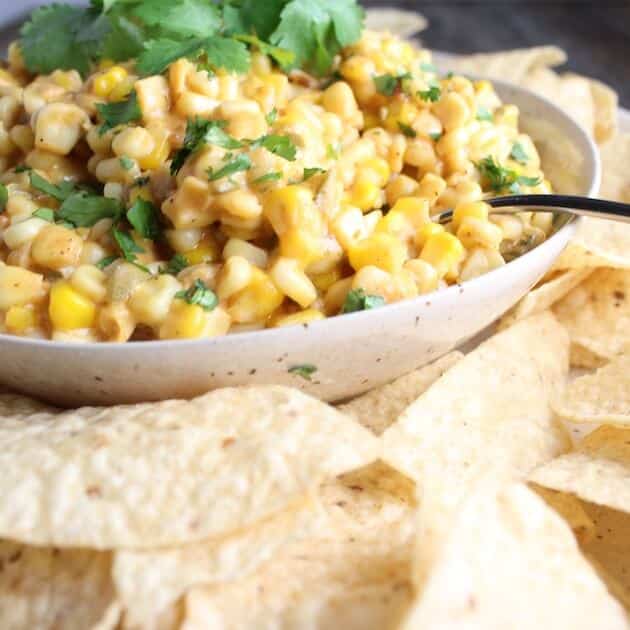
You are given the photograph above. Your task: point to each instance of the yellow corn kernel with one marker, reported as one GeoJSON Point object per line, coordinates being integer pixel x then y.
{"type": "Point", "coordinates": [191, 321]}
{"type": "Point", "coordinates": [415, 209]}
{"type": "Point", "coordinates": [376, 170]}
{"type": "Point", "coordinates": [106, 82]}
{"type": "Point", "coordinates": [68, 309]}
{"type": "Point", "coordinates": [160, 153]}
{"type": "Point", "coordinates": [396, 224]}
{"type": "Point", "coordinates": [122, 89]}
{"type": "Point", "coordinates": [257, 301]}
{"type": "Point", "coordinates": [323, 281]}
{"type": "Point", "coordinates": [292, 207]}
{"type": "Point", "coordinates": [425, 275]}
{"type": "Point", "coordinates": [301, 318]}
{"type": "Point", "coordinates": [371, 120]}
{"type": "Point", "coordinates": [403, 113]}
{"type": "Point", "coordinates": [444, 251]}
{"type": "Point", "coordinates": [206, 251]}
{"type": "Point", "coordinates": [234, 277]}
{"type": "Point", "coordinates": [140, 192]}
{"type": "Point", "coordinates": [379, 250]}
{"type": "Point", "coordinates": [474, 232]}
{"type": "Point", "coordinates": [301, 245]}
{"type": "Point", "coordinates": [474, 209]}
{"type": "Point", "coordinates": [365, 194]}
{"type": "Point", "coordinates": [426, 231]}
{"type": "Point", "coordinates": [293, 282]}
{"type": "Point", "coordinates": [19, 319]}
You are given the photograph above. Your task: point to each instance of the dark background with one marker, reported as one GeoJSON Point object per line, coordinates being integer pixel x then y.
{"type": "Point", "coordinates": [596, 35]}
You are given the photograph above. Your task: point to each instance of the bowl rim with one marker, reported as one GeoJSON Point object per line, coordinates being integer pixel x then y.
{"type": "Point", "coordinates": [577, 133]}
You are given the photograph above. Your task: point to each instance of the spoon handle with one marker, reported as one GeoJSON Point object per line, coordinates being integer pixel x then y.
{"type": "Point", "coordinates": [581, 206]}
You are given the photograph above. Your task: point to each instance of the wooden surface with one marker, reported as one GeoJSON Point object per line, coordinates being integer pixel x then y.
{"type": "Point", "coordinates": [595, 34]}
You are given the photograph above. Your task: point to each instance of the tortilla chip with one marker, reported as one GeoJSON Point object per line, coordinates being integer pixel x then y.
{"type": "Point", "coordinates": [544, 296]}
{"type": "Point", "coordinates": [571, 510]}
{"type": "Point", "coordinates": [47, 589]}
{"type": "Point", "coordinates": [609, 549]}
{"type": "Point", "coordinates": [596, 314]}
{"type": "Point", "coordinates": [511, 562]}
{"type": "Point", "coordinates": [148, 583]}
{"type": "Point", "coordinates": [378, 409]}
{"type": "Point", "coordinates": [580, 357]}
{"type": "Point", "coordinates": [599, 471]}
{"type": "Point", "coordinates": [616, 179]}
{"type": "Point", "coordinates": [510, 65]}
{"type": "Point", "coordinates": [606, 104]}
{"type": "Point", "coordinates": [353, 572]}
{"type": "Point", "coordinates": [405, 24]}
{"type": "Point", "coordinates": [154, 475]}
{"type": "Point", "coordinates": [13, 405]}
{"type": "Point", "coordinates": [603, 397]}
{"type": "Point", "coordinates": [467, 421]}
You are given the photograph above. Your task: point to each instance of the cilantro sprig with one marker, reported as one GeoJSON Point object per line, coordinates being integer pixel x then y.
{"type": "Point", "coordinates": [199, 294]}
{"type": "Point", "coordinates": [119, 113]}
{"type": "Point", "coordinates": [389, 84]}
{"type": "Point", "coordinates": [303, 34]}
{"type": "Point", "coordinates": [358, 300]}
{"type": "Point", "coordinates": [500, 178]}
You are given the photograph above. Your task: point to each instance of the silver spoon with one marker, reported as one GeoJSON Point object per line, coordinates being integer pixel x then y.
{"type": "Point", "coordinates": [571, 204]}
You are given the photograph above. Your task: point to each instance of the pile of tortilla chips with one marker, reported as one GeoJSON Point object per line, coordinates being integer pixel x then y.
{"type": "Point", "coordinates": [485, 491]}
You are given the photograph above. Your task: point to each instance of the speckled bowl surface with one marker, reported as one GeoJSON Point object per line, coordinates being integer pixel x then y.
{"type": "Point", "coordinates": [352, 353]}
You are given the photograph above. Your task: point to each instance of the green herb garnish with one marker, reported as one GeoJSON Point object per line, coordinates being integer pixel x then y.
{"type": "Point", "coordinates": [176, 264]}
{"type": "Point", "coordinates": [46, 214]}
{"type": "Point", "coordinates": [274, 176]}
{"type": "Point", "coordinates": [271, 117]}
{"type": "Point", "coordinates": [83, 209]}
{"type": "Point", "coordinates": [241, 162]}
{"type": "Point", "coordinates": [200, 295]}
{"type": "Point", "coordinates": [435, 136]}
{"type": "Point", "coordinates": [358, 300]}
{"type": "Point", "coordinates": [143, 216]}
{"type": "Point", "coordinates": [407, 130]}
{"type": "Point", "coordinates": [22, 168]}
{"type": "Point", "coordinates": [60, 192]}
{"type": "Point", "coordinates": [305, 371]}
{"type": "Point", "coordinates": [4, 197]}
{"type": "Point", "coordinates": [501, 178]}
{"type": "Point", "coordinates": [119, 113]}
{"type": "Point", "coordinates": [128, 247]}
{"type": "Point", "coordinates": [388, 84]}
{"type": "Point", "coordinates": [484, 114]}
{"type": "Point", "coordinates": [279, 145]}
{"type": "Point", "coordinates": [311, 172]}
{"type": "Point", "coordinates": [431, 95]}
{"type": "Point", "coordinates": [106, 262]}
{"type": "Point", "coordinates": [428, 67]}
{"type": "Point", "coordinates": [126, 163]}
{"type": "Point", "coordinates": [519, 154]}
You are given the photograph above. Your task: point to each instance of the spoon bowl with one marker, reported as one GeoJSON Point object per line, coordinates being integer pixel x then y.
{"type": "Point", "coordinates": [345, 355]}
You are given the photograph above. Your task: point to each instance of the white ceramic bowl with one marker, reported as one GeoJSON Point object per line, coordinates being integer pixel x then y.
{"type": "Point", "coordinates": [352, 353]}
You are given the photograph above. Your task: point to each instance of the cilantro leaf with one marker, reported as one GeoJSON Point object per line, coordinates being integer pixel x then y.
{"type": "Point", "coordinates": [226, 53]}
{"type": "Point", "coordinates": [305, 371]}
{"type": "Point", "coordinates": [46, 214]}
{"type": "Point", "coordinates": [200, 295]}
{"type": "Point", "coordinates": [484, 114]}
{"type": "Point", "coordinates": [428, 67]}
{"type": "Point", "coordinates": [501, 178]}
{"type": "Point", "coordinates": [176, 264]}
{"type": "Point", "coordinates": [128, 247]}
{"type": "Point", "coordinates": [143, 216]}
{"type": "Point", "coordinates": [181, 17]}
{"type": "Point", "coordinates": [317, 30]}
{"type": "Point", "coordinates": [241, 162]}
{"type": "Point", "coordinates": [50, 39]}
{"type": "Point", "coordinates": [106, 262]}
{"type": "Point", "coordinates": [274, 176]}
{"type": "Point", "coordinates": [388, 84]}
{"type": "Point", "coordinates": [158, 54]}
{"type": "Point", "coordinates": [435, 136]}
{"type": "Point", "coordinates": [431, 95]}
{"type": "Point", "coordinates": [4, 197]}
{"type": "Point", "coordinates": [407, 130]}
{"type": "Point", "coordinates": [22, 168]}
{"type": "Point", "coordinates": [83, 209]}
{"type": "Point", "coordinates": [358, 300]}
{"type": "Point", "coordinates": [126, 163]}
{"type": "Point", "coordinates": [200, 132]}
{"type": "Point", "coordinates": [60, 192]}
{"type": "Point", "coordinates": [253, 16]}
{"type": "Point", "coordinates": [271, 117]}
{"type": "Point", "coordinates": [119, 113]}
{"type": "Point", "coordinates": [311, 172]}
{"type": "Point", "coordinates": [528, 181]}
{"type": "Point", "coordinates": [519, 154]}
{"type": "Point", "coordinates": [124, 40]}
{"type": "Point", "coordinates": [281, 56]}
{"type": "Point", "coordinates": [279, 145]}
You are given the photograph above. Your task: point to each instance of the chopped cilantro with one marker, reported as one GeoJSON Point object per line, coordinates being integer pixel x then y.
{"type": "Point", "coordinates": [176, 264]}
{"type": "Point", "coordinates": [241, 162]}
{"type": "Point", "coordinates": [305, 371]}
{"type": "Point", "coordinates": [141, 181]}
{"type": "Point", "coordinates": [274, 176]}
{"type": "Point", "coordinates": [143, 216]}
{"type": "Point", "coordinates": [332, 152]}
{"type": "Point", "coordinates": [271, 117]}
{"type": "Point", "coordinates": [484, 114]}
{"type": "Point", "coordinates": [4, 197]}
{"type": "Point", "coordinates": [60, 192]}
{"type": "Point", "coordinates": [200, 132]}
{"type": "Point", "coordinates": [22, 168]}
{"type": "Point", "coordinates": [519, 154]}
{"type": "Point", "coordinates": [83, 209]}
{"type": "Point", "coordinates": [126, 163]}
{"type": "Point", "coordinates": [387, 84]}
{"type": "Point", "coordinates": [435, 136]}
{"type": "Point", "coordinates": [46, 214]}
{"type": "Point", "coordinates": [200, 295]}
{"type": "Point", "coordinates": [358, 300]}
{"type": "Point", "coordinates": [281, 56]}
{"type": "Point", "coordinates": [279, 145]}
{"type": "Point", "coordinates": [311, 172]}
{"type": "Point", "coordinates": [431, 95]}
{"type": "Point", "coordinates": [119, 113]}
{"type": "Point", "coordinates": [428, 67]}
{"type": "Point", "coordinates": [186, 18]}
{"type": "Point", "coordinates": [500, 178]}
{"type": "Point", "coordinates": [106, 262]}
{"type": "Point", "coordinates": [128, 247]}
{"type": "Point", "coordinates": [407, 130]}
